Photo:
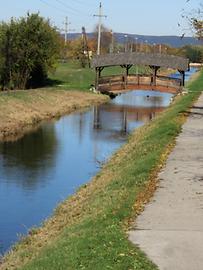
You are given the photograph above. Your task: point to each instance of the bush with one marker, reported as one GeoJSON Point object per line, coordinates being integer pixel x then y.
{"type": "Point", "coordinates": [29, 48]}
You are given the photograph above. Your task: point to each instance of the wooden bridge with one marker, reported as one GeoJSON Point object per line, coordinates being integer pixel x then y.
{"type": "Point", "coordinates": [128, 81]}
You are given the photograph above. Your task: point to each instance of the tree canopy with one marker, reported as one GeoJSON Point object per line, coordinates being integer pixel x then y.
{"type": "Point", "coordinates": [29, 48]}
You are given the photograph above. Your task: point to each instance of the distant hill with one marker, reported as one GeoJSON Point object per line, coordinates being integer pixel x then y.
{"type": "Point", "coordinates": [173, 41]}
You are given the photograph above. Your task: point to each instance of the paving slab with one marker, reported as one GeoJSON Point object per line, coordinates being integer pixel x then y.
{"type": "Point", "coordinates": [170, 229]}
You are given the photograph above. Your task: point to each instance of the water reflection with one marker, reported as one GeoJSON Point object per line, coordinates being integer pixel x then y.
{"type": "Point", "coordinates": [127, 112]}
{"type": "Point", "coordinates": [44, 167]}
{"type": "Point", "coordinates": [30, 156]}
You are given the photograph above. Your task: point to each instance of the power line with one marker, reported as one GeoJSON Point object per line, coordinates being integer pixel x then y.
{"type": "Point", "coordinates": [61, 10]}
{"type": "Point", "coordinates": [83, 3]}
{"type": "Point", "coordinates": [76, 11]}
{"type": "Point", "coordinates": [67, 6]}
{"type": "Point", "coordinates": [67, 9]}
{"type": "Point", "coordinates": [52, 6]}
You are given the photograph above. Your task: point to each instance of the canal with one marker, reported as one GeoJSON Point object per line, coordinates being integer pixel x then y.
{"type": "Point", "coordinates": [44, 167]}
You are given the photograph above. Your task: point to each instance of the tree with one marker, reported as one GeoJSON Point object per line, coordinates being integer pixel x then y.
{"type": "Point", "coordinates": [5, 57]}
{"type": "Point", "coordinates": [106, 39]}
{"type": "Point", "coordinates": [193, 53]}
{"type": "Point", "coordinates": [29, 48]}
{"type": "Point", "coordinates": [195, 19]}
{"type": "Point", "coordinates": [198, 27]}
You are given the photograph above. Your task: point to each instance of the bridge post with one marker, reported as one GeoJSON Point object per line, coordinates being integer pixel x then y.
{"type": "Point", "coordinates": [183, 77]}
{"type": "Point", "coordinates": [96, 118]}
{"type": "Point", "coordinates": [98, 76]}
{"type": "Point", "coordinates": [155, 69]}
{"type": "Point", "coordinates": [124, 122]}
{"type": "Point", "coordinates": [126, 74]}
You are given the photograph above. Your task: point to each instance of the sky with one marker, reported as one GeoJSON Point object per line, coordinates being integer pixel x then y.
{"type": "Point", "coordinates": [143, 17]}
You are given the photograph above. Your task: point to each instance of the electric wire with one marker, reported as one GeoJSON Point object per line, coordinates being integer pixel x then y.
{"type": "Point", "coordinates": [72, 9]}
{"type": "Point", "coordinates": [69, 9]}
{"type": "Point", "coordinates": [53, 6]}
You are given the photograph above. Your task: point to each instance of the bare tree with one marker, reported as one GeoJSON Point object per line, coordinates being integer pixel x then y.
{"type": "Point", "coordinates": [195, 20]}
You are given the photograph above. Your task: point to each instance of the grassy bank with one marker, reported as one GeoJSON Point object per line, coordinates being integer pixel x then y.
{"type": "Point", "coordinates": [71, 76]}
{"type": "Point", "coordinates": [88, 230]}
{"type": "Point", "coordinates": [20, 110]}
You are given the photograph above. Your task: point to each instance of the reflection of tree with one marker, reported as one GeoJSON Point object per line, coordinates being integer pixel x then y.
{"type": "Point", "coordinates": [30, 156]}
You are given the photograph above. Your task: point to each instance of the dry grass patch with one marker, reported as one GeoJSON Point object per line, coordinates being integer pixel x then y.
{"type": "Point", "coordinates": [21, 110]}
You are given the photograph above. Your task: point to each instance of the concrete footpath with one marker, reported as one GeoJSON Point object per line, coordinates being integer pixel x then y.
{"type": "Point", "coordinates": [170, 230]}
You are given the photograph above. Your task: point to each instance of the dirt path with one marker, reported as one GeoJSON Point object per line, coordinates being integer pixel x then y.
{"type": "Point", "coordinates": [170, 230]}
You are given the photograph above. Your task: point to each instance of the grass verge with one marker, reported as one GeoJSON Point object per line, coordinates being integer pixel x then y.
{"type": "Point", "coordinates": [88, 230]}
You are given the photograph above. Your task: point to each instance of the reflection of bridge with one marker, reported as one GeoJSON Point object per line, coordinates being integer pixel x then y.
{"type": "Point", "coordinates": [105, 114]}
{"type": "Point", "coordinates": [136, 81]}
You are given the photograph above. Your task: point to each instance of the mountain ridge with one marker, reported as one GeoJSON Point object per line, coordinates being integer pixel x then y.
{"type": "Point", "coordinates": [171, 40]}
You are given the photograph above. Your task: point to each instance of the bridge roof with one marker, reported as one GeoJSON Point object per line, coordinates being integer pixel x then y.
{"type": "Point", "coordinates": [144, 59]}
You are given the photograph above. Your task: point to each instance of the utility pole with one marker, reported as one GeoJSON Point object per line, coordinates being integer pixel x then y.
{"type": "Point", "coordinates": [100, 15]}
{"type": "Point", "coordinates": [85, 46]}
{"type": "Point", "coordinates": [66, 29]}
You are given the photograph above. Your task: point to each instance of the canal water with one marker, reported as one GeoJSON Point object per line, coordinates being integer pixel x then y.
{"type": "Point", "coordinates": [41, 169]}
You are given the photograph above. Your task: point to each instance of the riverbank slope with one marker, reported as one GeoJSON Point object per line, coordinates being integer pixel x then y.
{"type": "Point", "coordinates": [88, 230]}
{"type": "Point", "coordinates": [20, 111]}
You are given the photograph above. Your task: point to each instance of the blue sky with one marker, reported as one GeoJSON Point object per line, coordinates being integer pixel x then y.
{"type": "Point", "coordinates": [147, 17]}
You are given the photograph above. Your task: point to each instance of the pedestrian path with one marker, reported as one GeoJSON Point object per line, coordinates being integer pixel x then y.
{"type": "Point", "coordinates": [170, 230]}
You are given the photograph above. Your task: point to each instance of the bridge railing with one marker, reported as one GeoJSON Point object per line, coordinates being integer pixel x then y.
{"type": "Point", "coordinates": [111, 79]}
{"type": "Point", "coordinates": [161, 77]}
{"type": "Point", "coordinates": [120, 82]}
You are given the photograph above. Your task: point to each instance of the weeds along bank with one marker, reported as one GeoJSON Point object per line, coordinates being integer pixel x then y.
{"type": "Point", "coordinates": [20, 111]}
{"type": "Point", "coordinates": [88, 230]}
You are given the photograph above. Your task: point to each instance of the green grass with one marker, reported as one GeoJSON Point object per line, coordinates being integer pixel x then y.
{"type": "Point", "coordinates": [72, 76]}
{"type": "Point", "coordinates": [96, 239]}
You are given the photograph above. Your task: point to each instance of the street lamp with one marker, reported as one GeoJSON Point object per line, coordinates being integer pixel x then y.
{"type": "Point", "coordinates": [136, 39]}
{"type": "Point", "coordinates": [146, 42]}
{"type": "Point", "coordinates": [126, 42]}
{"type": "Point", "coordinates": [160, 49]}
{"type": "Point", "coordinates": [112, 43]}
{"type": "Point", "coordinates": [154, 45]}
{"type": "Point", "coordinates": [136, 64]}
